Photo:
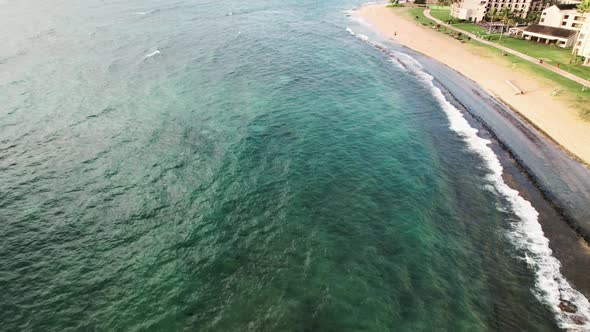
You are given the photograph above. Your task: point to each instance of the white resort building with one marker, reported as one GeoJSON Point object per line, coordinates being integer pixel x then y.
{"type": "Point", "coordinates": [559, 24]}
{"type": "Point", "coordinates": [549, 35]}
{"type": "Point", "coordinates": [583, 42]}
{"type": "Point", "coordinates": [564, 16]}
{"type": "Point", "coordinates": [470, 10]}
{"type": "Point", "coordinates": [475, 10]}
{"type": "Point", "coordinates": [563, 26]}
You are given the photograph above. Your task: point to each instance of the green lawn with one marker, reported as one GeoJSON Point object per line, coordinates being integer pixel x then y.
{"type": "Point", "coordinates": [417, 13]}
{"type": "Point", "coordinates": [470, 27]}
{"type": "Point", "coordinates": [551, 54]}
{"type": "Point", "coordinates": [442, 14]}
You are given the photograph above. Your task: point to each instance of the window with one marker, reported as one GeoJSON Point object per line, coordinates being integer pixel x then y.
{"type": "Point", "coordinates": [566, 17]}
{"type": "Point", "coordinates": [542, 20]}
{"type": "Point", "coordinates": [576, 25]}
{"type": "Point", "coordinates": [564, 23]}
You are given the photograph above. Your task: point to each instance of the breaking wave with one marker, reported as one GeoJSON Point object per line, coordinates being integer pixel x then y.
{"type": "Point", "coordinates": [571, 308]}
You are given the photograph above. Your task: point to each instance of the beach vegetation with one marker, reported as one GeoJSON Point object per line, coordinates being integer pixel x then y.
{"type": "Point", "coordinates": [418, 14]}
{"type": "Point", "coordinates": [533, 17]}
{"type": "Point", "coordinates": [394, 3]}
{"type": "Point", "coordinates": [550, 54]}
{"type": "Point", "coordinates": [443, 13]}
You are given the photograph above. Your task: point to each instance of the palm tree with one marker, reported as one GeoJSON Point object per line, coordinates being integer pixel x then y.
{"type": "Point", "coordinates": [533, 17]}
{"type": "Point", "coordinates": [583, 8]}
{"type": "Point", "coordinates": [491, 15]}
{"type": "Point", "coordinates": [507, 18]}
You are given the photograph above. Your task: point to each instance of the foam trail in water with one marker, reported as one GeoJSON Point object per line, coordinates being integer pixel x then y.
{"type": "Point", "coordinates": [154, 53]}
{"type": "Point", "coordinates": [146, 13]}
{"type": "Point", "coordinates": [393, 55]}
{"type": "Point", "coordinates": [551, 286]}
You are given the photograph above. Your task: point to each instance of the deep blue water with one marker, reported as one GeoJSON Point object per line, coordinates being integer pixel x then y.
{"type": "Point", "coordinates": [234, 166]}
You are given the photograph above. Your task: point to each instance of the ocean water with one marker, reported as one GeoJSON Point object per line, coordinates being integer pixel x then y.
{"type": "Point", "coordinates": [248, 166]}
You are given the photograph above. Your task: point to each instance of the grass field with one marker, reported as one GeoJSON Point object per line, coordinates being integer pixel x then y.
{"type": "Point", "coordinates": [470, 27]}
{"type": "Point", "coordinates": [550, 54]}
{"type": "Point", "coordinates": [417, 13]}
{"type": "Point", "coordinates": [442, 13]}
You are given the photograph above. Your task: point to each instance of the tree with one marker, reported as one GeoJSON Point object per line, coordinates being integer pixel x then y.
{"type": "Point", "coordinates": [491, 14]}
{"type": "Point", "coordinates": [507, 19]}
{"type": "Point", "coordinates": [533, 16]}
{"type": "Point", "coordinates": [583, 8]}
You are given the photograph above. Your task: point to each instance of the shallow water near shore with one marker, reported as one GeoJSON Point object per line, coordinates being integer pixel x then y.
{"type": "Point", "coordinates": [243, 166]}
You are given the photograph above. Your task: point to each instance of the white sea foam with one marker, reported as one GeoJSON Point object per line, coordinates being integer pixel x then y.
{"type": "Point", "coordinates": [154, 53]}
{"type": "Point", "coordinates": [393, 55]}
{"type": "Point", "coordinates": [147, 12]}
{"type": "Point", "coordinates": [552, 288]}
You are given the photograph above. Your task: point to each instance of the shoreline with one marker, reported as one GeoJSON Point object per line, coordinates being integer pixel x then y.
{"type": "Point", "coordinates": [563, 178]}
{"type": "Point", "coordinates": [551, 115]}
{"type": "Point", "coordinates": [556, 183]}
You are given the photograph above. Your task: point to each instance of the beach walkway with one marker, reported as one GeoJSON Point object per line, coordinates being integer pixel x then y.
{"type": "Point", "coordinates": [511, 51]}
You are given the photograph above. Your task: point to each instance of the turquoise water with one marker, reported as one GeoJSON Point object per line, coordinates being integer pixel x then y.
{"type": "Point", "coordinates": [238, 166]}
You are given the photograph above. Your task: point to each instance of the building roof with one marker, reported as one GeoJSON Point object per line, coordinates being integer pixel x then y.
{"type": "Point", "coordinates": [550, 31]}
{"type": "Point", "coordinates": [566, 6]}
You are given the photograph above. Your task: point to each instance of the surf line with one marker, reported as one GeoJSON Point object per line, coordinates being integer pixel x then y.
{"type": "Point", "coordinates": [552, 288]}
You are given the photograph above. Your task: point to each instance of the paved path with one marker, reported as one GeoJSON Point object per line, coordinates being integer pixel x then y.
{"type": "Point", "coordinates": [511, 51]}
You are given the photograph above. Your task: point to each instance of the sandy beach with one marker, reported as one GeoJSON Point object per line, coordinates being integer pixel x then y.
{"type": "Point", "coordinates": [551, 114]}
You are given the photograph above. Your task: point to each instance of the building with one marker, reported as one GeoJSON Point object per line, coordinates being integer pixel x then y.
{"type": "Point", "coordinates": [469, 10]}
{"type": "Point", "coordinates": [559, 24]}
{"type": "Point", "coordinates": [475, 10]}
{"type": "Point", "coordinates": [550, 35]}
{"type": "Point", "coordinates": [563, 25]}
{"type": "Point", "coordinates": [564, 16]}
{"type": "Point", "coordinates": [519, 7]}
{"type": "Point", "coordinates": [583, 42]}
